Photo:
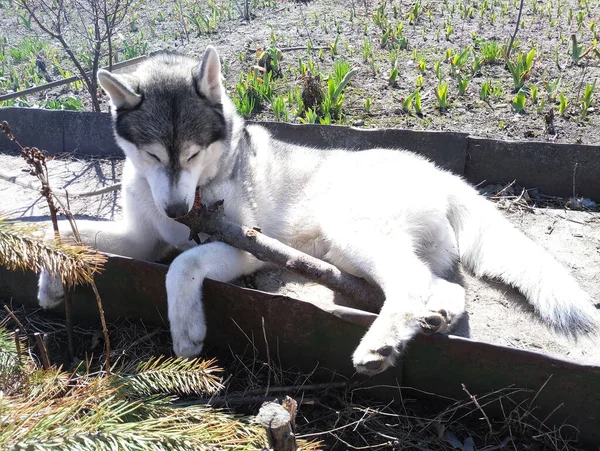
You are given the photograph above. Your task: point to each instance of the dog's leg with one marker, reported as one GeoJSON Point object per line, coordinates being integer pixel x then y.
{"type": "Point", "coordinates": [406, 282]}
{"type": "Point", "coordinates": [446, 304]}
{"type": "Point", "coordinates": [216, 261]}
{"type": "Point", "coordinates": [120, 238]}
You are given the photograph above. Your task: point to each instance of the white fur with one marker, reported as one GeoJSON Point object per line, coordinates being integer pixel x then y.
{"type": "Point", "coordinates": [122, 94]}
{"type": "Point", "coordinates": [210, 83]}
{"type": "Point", "coordinates": [388, 216]}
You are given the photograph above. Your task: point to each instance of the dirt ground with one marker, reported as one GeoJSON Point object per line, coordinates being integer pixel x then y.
{"type": "Point", "coordinates": [350, 31]}
{"type": "Point", "coordinates": [496, 314]}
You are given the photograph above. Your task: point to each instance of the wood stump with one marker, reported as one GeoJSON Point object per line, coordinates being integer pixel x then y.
{"type": "Point", "coordinates": [279, 422]}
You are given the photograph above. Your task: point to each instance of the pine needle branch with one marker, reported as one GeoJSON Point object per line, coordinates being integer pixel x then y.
{"type": "Point", "coordinates": [20, 249]}
{"type": "Point", "coordinates": [178, 376]}
{"type": "Point", "coordinates": [58, 410]}
{"type": "Point", "coordinates": [36, 159]}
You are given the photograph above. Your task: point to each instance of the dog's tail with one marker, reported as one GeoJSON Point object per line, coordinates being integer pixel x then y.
{"type": "Point", "coordinates": [490, 246]}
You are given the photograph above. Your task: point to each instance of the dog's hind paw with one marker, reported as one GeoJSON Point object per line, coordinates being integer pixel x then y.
{"type": "Point", "coordinates": [374, 361]}
{"type": "Point", "coordinates": [50, 291]}
{"type": "Point", "coordinates": [435, 323]}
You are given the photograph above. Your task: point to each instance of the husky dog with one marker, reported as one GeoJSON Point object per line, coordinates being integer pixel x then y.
{"type": "Point", "coordinates": [389, 216]}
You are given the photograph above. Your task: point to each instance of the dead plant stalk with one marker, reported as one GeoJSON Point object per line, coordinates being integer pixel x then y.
{"type": "Point", "coordinates": [36, 159]}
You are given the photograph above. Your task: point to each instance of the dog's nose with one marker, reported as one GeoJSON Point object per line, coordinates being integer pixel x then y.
{"type": "Point", "coordinates": [177, 210]}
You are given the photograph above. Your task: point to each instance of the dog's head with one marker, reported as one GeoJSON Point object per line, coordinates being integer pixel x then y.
{"type": "Point", "coordinates": [170, 121]}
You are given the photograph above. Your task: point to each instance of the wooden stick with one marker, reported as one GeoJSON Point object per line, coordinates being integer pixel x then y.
{"type": "Point", "coordinates": [43, 350]}
{"type": "Point", "coordinates": [228, 400]}
{"type": "Point", "coordinates": [361, 294]}
{"type": "Point", "coordinates": [211, 221]}
{"type": "Point", "coordinates": [14, 318]}
{"type": "Point", "coordinates": [18, 342]}
{"type": "Point", "coordinates": [277, 421]}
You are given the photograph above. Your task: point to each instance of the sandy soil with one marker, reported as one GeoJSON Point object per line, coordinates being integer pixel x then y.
{"type": "Point", "coordinates": [496, 314]}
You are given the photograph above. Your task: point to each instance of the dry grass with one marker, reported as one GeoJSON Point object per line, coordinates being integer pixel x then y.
{"type": "Point", "coordinates": [350, 419]}
{"type": "Point", "coordinates": [512, 197]}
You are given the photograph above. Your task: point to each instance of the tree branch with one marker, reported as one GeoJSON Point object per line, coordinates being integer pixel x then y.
{"type": "Point", "coordinates": [211, 221]}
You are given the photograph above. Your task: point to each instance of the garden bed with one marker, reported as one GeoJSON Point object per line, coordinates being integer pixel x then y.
{"type": "Point", "coordinates": [374, 37]}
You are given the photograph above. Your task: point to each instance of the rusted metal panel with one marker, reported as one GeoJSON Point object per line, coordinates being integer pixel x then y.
{"type": "Point", "coordinates": [448, 149]}
{"type": "Point", "coordinates": [304, 335]}
{"type": "Point", "coordinates": [76, 133]}
{"type": "Point", "coordinates": [556, 169]}
{"type": "Point", "coordinates": [571, 392]}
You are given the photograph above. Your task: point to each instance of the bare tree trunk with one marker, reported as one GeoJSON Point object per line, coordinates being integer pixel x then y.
{"type": "Point", "coordinates": [102, 17]}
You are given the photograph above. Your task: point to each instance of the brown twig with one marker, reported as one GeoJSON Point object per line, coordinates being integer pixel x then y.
{"type": "Point", "coordinates": [299, 388]}
{"type": "Point", "coordinates": [18, 342]}
{"type": "Point", "coordinates": [474, 399]}
{"type": "Point", "coordinates": [37, 160]}
{"type": "Point", "coordinates": [224, 401]}
{"type": "Point", "coordinates": [14, 318]}
{"type": "Point", "coordinates": [290, 49]}
{"type": "Point", "coordinates": [43, 350]}
{"type": "Point", "coordinates": [268, 356]}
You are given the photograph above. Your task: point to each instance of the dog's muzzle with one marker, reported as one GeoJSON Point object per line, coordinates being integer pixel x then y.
{"type": "Point", "coordinates": [177, 210]}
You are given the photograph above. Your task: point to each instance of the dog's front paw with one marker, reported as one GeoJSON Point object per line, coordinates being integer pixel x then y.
{"type": "Point", "coordinates": [188, 327]}
{"type": "Point", "coordinates": [186, 313]}
{"type": "Point", "coordinates": [188, 341]}
{"type": "Point", "coordinates": [374, 361]}
{"type": "Point", "coordinates": [50, 291]}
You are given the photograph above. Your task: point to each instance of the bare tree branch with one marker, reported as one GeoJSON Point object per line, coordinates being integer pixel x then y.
{"type": "Point", "coordinates": [94, 20]}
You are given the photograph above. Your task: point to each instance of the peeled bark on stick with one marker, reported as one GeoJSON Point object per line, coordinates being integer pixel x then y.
{"type": "Point", "coordinates": [211, 221]}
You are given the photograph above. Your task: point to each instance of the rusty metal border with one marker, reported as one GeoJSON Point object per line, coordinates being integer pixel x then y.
{"type": "Point", "coordinates": [305, 335]}
{"type": "Point", "coordinates": [136, 289]}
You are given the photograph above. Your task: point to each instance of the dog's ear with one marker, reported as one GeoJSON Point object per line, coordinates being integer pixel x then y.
{"type": "Point", "coordinates": [207, 75]}
{"type": "Point", "coordinates": [121, 89]}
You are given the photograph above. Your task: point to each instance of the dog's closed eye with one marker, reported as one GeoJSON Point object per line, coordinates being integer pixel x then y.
{"type": "Point", "coordinates": [153, 156]}
{"type": "Point", "coordinates": [193, 156]}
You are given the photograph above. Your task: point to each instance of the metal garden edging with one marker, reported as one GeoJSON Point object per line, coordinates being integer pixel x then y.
{"type": "Point", "coordinates": [436, 364]}
{"type": "Point", "coordinates": [556, 169]}
{"type": "Point", "coordinates": [136, 289]}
